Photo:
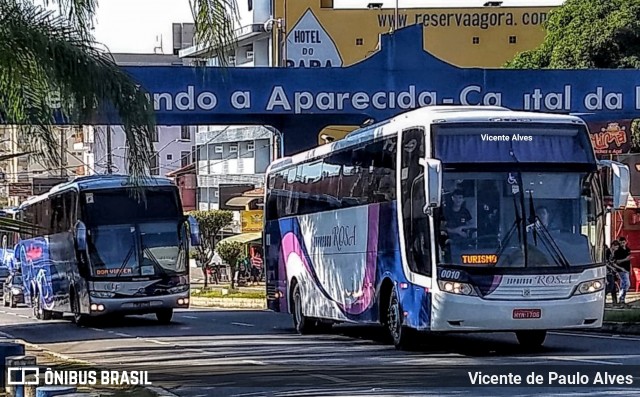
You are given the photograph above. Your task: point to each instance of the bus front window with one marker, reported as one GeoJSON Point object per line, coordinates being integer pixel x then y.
{"type": "Point", "coordinates": [163, 248]}
{"type": "Point", "coordinates": [112, 251]}
{"type": "Point", "coordinates": [513, 219]}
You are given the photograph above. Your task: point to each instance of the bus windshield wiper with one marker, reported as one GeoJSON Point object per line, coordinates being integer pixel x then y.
{"type": "Point", "coordinates": [514, 227]}
{"type": "Point", "coordinates": [545, 237]}
{"type": "Point", "coordinates": [124, 263]}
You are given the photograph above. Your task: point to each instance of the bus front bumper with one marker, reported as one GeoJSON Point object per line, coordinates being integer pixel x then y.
{"type": "Point", "coordinates": [470, 313]}
{"type": "Point", "coordinates": [141, 305]}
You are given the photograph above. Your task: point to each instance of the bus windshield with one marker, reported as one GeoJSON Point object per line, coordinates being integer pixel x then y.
{"type": "Point", "coordinates": [129, 237]}
{"type": "Point", "coordinates": [112, 251]}
{"type": "Point", "coordinates": [520, 219]}
{"type": "Point", "coordinates": [163, 247]}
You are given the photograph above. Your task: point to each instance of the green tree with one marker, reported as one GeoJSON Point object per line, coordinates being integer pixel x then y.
{"type": "Point", "coordinates": [52, 67]}
{"type": "Point", "coordinates": [583, 34]}
{"type": "Point", "coordinates": [210, 223]}
{"type": "Point", "coordinates": [230, 252]}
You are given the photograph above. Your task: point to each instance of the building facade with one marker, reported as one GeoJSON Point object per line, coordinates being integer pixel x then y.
{"type": "Point", "coordinates": [228, 157]}
{"type": "Point", "coordinates": [27, 175]}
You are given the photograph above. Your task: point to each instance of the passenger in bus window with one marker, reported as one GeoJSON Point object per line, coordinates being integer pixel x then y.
{"type": "Point", "coordinates": [457, 216]}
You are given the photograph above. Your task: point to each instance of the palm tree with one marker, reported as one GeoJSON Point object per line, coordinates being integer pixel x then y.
{"type": "Point", "coordinates": [48, 53]}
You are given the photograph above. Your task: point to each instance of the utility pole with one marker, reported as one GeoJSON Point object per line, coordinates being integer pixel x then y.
{"type": "Point", "coordinates": [109, 158]}
{"type": "Point", "coordinates": [63, 136]}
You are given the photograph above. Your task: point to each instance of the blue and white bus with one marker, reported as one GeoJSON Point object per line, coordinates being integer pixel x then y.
{"type": "Point", "coordinates": [507, 233]}
{"type": "Point", "coordinates": [100, 249]}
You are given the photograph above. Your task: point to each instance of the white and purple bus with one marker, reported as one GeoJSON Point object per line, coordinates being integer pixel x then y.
{"type": "Point", "coordinates": [507, 233]}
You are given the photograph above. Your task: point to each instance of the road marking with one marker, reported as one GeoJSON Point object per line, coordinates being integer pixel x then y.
{"type": "Point", "coordinates": [161, 392]}
{"type": "Point", "coordinates": [158, 342]}
{"type": "Point", "coordinates": [243, 324]}
{"type": "Point", "coordinates": [125, 335]}
{"type": "Point", "coordinates": [620, 337]}
{"type": "Point", "coordinates": [96, 329]}
{"type": "Point", "coordinates": [329, 378]}
{"type": "Point", "coordinates": [254, 362]}
{"type": "Point", "coordinates": [583, 360]}
{"type": "Point", "coordinates": [23, 316]}
{"type": "Point", "coordinates": [191, 317]}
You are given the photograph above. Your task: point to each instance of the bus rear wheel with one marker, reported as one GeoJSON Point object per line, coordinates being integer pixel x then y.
{"type": "Point", "coordinates": [531, 339]}
{"type": "Point", "coordinates": [302, 324]}
{"type": "Point", "coordinates": [38, 311]}
{"type": "Point", "coordinates": [164, 316]}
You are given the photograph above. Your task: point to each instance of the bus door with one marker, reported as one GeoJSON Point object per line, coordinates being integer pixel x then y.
{"type": "Point", "coordinates": [415, 223]}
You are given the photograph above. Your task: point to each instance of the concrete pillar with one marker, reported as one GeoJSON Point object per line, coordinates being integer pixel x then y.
{"type": "Point", "coordinates": [18, 361]}
{"type": "Point", "coordinates": [8, 349]}
{"type": "Point", "coordinates": [50, 391]}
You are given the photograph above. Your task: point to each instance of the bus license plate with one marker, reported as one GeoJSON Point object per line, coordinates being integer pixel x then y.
{"type": "Point", "coordinates": [527, 313]}
{"type": "Point", "coordinates": [141, 304]}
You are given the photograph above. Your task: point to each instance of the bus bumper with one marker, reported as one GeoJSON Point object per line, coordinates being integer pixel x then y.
{"type": "Point", "coordinates": [141, 305]}
{"type": "Point", "coordinates": [470, 313]}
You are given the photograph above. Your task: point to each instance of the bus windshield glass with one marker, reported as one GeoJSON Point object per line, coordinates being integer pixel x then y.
{"type": "Point", "coordinates": [163, 247]}
{"type": "Point", "coordinates": [112, 251]}
{"type": "Point", "coordinates": [520, 219]}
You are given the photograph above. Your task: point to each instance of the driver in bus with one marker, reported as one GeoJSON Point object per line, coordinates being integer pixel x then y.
{"type": "Point", "coordinates": [457, 216]}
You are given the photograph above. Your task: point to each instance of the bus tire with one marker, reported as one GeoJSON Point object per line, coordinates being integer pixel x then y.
{"type": "Point", "coordinates": [164, 316]}
{"type": "Point", "coordinates": [531, 339]}
{"type": "Point", "coordinates": [401, 336]}
{"type": "Point", "coordinates": [78, 318]}
{"type": "Point", "coordinates": [303, 325]}
{"type": "Point", "coordinates": [38, 311]}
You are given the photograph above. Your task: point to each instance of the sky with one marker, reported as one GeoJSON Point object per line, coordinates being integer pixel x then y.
{"type": "Point", "coordinates": [132, 25]}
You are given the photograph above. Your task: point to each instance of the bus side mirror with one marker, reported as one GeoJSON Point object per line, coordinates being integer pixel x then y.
{"type": "Point", "coordinates": [621, 179]}
{"type": "Point", "coordinates": [81, 236]}
{"type": "Point", "coordinates": [432, 182]}
{"type": "Point", "coordinates": [194, 231]}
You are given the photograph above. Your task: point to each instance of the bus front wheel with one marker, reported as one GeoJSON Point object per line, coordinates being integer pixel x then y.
{"type": "Point", "coordinates": [531, 339]}
{"type": "Point", "coordinates": [401, 336]}
{"type": "Point", "coordinates": [164, 316]}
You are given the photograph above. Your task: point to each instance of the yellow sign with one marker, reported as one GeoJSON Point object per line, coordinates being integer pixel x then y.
{"type": "Point", "coordinates": [318, 35]}
{"type": "Point", "coordinates": [480, 259]}
{"type": "Point", "coordinates": [251, 221]}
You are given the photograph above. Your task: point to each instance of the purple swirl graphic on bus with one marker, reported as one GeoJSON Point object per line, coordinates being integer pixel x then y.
{"type": "Point", "coordinates": [361, 300]}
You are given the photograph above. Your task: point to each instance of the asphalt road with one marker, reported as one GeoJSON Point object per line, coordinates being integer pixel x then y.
{"type": "Point", "coordinates": [256, 353]}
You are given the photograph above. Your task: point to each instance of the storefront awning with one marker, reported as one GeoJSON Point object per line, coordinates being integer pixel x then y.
{"type": "Point", "coordinates": [243, 238]}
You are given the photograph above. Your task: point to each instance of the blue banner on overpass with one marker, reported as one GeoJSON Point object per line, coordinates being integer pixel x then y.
{"type": "Point", "coordinates": [401, 76]}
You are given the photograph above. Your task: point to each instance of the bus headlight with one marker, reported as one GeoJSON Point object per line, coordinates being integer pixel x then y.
{"type": "Point", "coordinates": [589, 287]}
{"type": "Point", "coordinates": [454, 287]}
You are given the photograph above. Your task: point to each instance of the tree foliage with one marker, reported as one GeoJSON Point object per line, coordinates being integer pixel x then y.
{"type": "Point", "coordinates": [52, 70]}
{"type": "Point", "coordinates": [230, 251]}
{"type": "Point", "coordinates": [587, 34]}
{"type": "Point", "coordinates": [210, 223]}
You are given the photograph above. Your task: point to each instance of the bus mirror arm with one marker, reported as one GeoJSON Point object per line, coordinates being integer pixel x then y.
{"type": "Point", "coordinates": [81, 236]}
{"type": "Point", "coordinates": [433, 182]}
{"type": "Point", "coordinates": [620, 181]}
{"type": "Point", "coordinates": [194, 231]}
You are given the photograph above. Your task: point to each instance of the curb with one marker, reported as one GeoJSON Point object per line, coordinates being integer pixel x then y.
{"type": "Point", "coordinates": [229, 303]}
{"type": "Point", "coordinates": [158, 391]}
